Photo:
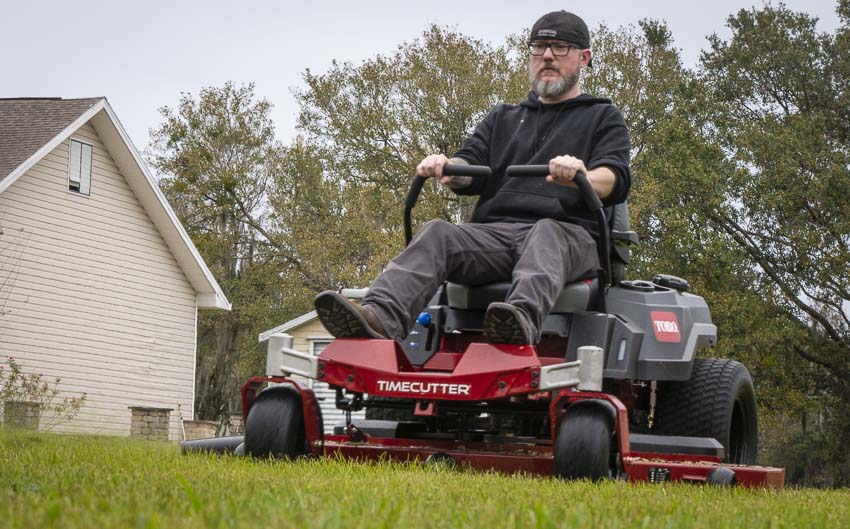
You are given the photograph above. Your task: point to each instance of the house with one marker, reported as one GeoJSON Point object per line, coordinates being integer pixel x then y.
{"type": "Point", "coordinates": [310, 336]}
{"type": "Point", "coordinates": [99, 283]}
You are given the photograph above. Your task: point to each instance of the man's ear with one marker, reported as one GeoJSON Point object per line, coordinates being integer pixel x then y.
{"type": "Point", "coordinates": [586, 57]}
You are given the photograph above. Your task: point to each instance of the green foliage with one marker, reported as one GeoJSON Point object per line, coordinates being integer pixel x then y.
{"type": "Point", "coordinates": [16, 385]}
{"type": "Point", "coordinates": [678, 173]}
{"type": "Point", "coordinates": [776, 83]}
{"type": "Point", "coordinates": [709, 146]}
{"type": "Point", "coordinates": [380, 118]}
{"type": "Point", "coordinates": [323, 224]}
{"type": "Point", "coordinates": [375, 121]}
{"type": "Point", "coordinates": [69, 482]}
{"type": "Point", "coordinates": [781, 116]}
{"type": "Point", "coordinates": [217, 153]}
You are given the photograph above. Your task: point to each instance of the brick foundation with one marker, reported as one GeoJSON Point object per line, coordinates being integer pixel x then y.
{"type": "Point", "coordinates": [150, 423]}
{"type": "Point", "coordinates": [200, 429]}
{"type": "Point", "coordinates": [24, 415]}
{"type": "Point", "coordinates": [235, 427]}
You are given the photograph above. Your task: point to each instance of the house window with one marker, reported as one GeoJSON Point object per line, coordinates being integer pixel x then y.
{"type": "Point", "coordinates": [317, 345]}
{"type": "Point", "coordinates": [79, 168]}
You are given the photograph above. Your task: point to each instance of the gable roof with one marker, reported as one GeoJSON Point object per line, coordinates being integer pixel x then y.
{"type": "Point", "coordinates": [32, 128]}
{"type": "Point", "coordinates": [288, 326]}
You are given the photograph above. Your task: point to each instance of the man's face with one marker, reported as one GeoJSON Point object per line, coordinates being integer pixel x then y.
{"type": "Point", "coordinates": [552, 75]}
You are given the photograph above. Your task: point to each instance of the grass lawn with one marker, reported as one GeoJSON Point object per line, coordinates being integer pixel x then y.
{"type": "Point", "coordinates": [75, 481]}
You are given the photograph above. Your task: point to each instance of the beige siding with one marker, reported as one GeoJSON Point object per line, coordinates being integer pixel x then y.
{"type": "Point", "coordinates": [314, 331]}
{"type": "Point", "coordinates": [302, 334]}
{"type": "Point", "coordinates": [90, 293]}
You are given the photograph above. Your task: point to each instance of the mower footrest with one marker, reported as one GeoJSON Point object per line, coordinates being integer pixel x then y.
{"type": "Point", "coordinates": [669, 444]}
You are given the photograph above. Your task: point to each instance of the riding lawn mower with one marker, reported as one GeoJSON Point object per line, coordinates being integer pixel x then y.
{"type": "Point", "coordinates": [613, 389]}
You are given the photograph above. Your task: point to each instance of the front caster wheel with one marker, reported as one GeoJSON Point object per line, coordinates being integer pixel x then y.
{"type": "Point", "coordinates": [275, 425]}
{"type": "Point", "coordinates": [583, 443]}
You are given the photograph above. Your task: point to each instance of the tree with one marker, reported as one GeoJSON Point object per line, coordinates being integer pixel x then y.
{"type": "Point", "coordinates": [770, 109]}
{"type": "Point", "coordinates": [375, 121]}
{"type": "Point", "coordinates": [679, 170]}
{"type": "Point", "coordinates": [779, 85]}
{"type": "Point", "coordinates": [217, 153]}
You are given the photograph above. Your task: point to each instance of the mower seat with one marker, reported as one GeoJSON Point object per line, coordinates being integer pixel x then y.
{"type": "Point", "coordinates": [575, 297]}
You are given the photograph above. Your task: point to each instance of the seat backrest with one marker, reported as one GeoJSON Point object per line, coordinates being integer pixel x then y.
{"type": "Point", "coordinates": [621, 221]}
{"type": "Point", "coordinates": [622, 237]}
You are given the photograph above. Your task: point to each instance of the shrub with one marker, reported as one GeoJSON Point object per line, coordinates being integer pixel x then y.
{"type": "Point", "coordinates": [16, 385]}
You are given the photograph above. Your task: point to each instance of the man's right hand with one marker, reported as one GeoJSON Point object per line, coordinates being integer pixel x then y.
{"type": "Point", "coordinates": [432, 167]}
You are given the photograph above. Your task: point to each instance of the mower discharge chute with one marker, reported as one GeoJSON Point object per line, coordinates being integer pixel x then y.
{"type": "Point", "coordinates": [613, 388]}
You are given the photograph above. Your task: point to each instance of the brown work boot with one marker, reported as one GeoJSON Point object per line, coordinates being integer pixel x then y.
{"type": "Point", "coordinates": [345, 319]}
{"type": "Point", "coordinates": [506, 324]}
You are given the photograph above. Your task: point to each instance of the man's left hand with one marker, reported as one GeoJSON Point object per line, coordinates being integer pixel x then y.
{"type": "Point", "coordinates": [563, 169]}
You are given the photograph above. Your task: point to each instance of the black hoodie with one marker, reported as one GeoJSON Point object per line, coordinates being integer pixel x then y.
{"type": "Point", "coordinates": [532, 133]}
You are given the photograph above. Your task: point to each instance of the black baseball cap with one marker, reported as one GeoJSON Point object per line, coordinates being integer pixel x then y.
{"type": "Point", "coordinates": [562, 25]}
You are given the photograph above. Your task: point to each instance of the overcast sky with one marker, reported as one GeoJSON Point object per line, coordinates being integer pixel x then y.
{"type": "Point", "coordinates": [142, 55]}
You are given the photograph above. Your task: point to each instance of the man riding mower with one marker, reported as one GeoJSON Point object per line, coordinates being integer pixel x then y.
{"type": "Point", "coordinates": [611, 389]}
{"type": "Point", "coordinates": [513, 342]}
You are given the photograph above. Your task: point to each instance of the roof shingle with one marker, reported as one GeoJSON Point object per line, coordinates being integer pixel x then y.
{"type": "Point", "coordinates": [27, 124]}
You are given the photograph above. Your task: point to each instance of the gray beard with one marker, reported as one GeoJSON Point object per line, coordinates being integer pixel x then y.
{"type": "Point", "coordinates": [553, 89]}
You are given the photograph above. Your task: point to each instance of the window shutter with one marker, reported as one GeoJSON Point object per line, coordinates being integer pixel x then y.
{"type": "Point", "coordinates": [74, 163]}
{"type": "Point", "coordinates": [85, 169]}
{"type": "Point", "coordinates": [79, 167]}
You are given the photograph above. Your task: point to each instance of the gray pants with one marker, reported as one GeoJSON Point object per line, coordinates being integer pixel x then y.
{"type": "Point", "coordinates": [537, 258]}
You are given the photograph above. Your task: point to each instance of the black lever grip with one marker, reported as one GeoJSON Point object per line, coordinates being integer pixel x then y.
{"type": "Point", "coordinates": [475, 171]}
{"type": "Point", "coordinates": [413, 193]}
{"type": "Point", "coordinates": [526, 170]}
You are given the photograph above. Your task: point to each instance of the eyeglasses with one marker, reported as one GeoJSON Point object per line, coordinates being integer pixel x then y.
{"type": "Point", "coordinates": [559, 49]}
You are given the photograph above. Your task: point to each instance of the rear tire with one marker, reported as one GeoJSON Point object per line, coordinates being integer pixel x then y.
{"type": "Point", "coordinates": [583, 444]}
{"type": "Point", "coordinates": [275, 425]}
{"type": "Point", "coordinates": [718, 401]}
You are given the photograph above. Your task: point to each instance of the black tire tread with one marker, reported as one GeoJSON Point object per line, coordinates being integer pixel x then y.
{"type": "Point", "coordinates": [275, 425]}
{"type": "Point", "coordinates": [583, 444]}
{"type": "Point", "coordinates": [698, 407]}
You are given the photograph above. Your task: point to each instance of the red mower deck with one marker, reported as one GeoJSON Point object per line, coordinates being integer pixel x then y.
{"type": "Point", "coordinates": [483, 373]}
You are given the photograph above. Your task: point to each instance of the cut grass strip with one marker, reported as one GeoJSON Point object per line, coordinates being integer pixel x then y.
{"type": "Point", "coordinates": [74, 481]}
